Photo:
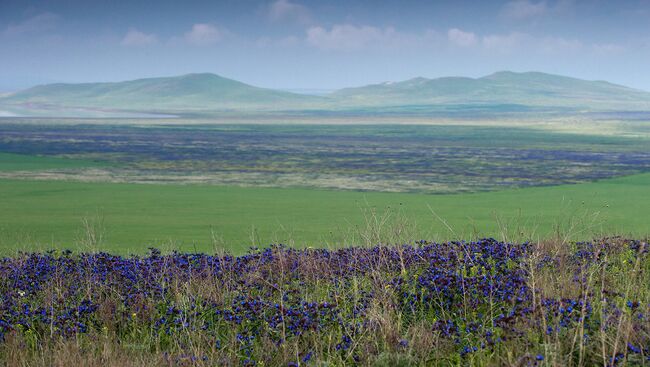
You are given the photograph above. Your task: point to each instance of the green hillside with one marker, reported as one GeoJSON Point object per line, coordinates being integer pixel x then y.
{"type": "Point", "coordinates": [507, 88]}
{"type": "Point", "coordinates": [187, 92]}
{"type": "Point", "coordinates": [499, 92]}
{"type": "Point", "coordinates": [132, 217]}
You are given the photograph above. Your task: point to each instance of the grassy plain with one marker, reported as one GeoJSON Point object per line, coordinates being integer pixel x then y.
{"type": "Point", "coordinates": [507, 304]}
{"type": "Point", "coordinates": [234, 185]}
{"type": "Point", "coordinates": [132, 217]}
{"type": "Point", "coordinates": [22, 162]}
{"type": "Point", "coordinates": [396, 158]}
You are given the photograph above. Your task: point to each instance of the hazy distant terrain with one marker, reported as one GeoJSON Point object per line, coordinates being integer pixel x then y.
{"type": "Point", "coordinates": [397, 158]}
{"type": "Point", "coordinates": [184, 93]}
{"type": "Point", "coordinates": [502, 92]}
{"type": "Point", "coordinates": [531, 89]}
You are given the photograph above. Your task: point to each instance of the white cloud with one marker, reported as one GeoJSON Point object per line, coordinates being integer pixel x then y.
{"type": "Point", "coordinates": [608, 48]}
{"type": "Point", "coordinates": [504, 43]}
{"type": "Point", "coordinates": [530, 44]}
{"type": "Point", "coordinates": [351, 37]}
{"type": "Point", "coordinates": [36, 24]}
{"type": "Point", "coordinates": [522, 42]}
{"type": "Point", "coordinates": [136, 38]}
{"type": "Point", "coordinates": [461, 38]}
{"type": "Point", "coordinates": [524, 9]}
{"type": "Point", "coordinates": [558, 45]}
{"type": "Point", "coordinates": [203, 34]}
{"type": "Point", "coordinates": [348, 37]}
{"type": "Point", "coordinates": [287, 10]}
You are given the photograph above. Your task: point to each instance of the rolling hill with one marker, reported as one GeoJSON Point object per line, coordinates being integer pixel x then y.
{"type": "Point", "coordinates": [501, 91]}
{"type": "Point", "coordinates": [182, 93]}
{"type": "Point", "coordinates": [501, 88]}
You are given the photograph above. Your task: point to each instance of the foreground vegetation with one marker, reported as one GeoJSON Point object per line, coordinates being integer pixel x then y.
{"type": "Point", "coordinates": [479, 303]}
{"type": "Point", "coordinates": [127, 218]}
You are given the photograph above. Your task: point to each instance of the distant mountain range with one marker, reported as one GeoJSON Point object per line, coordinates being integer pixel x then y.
{"type": "Point", "coordinates": [186, 92]}
{"type": "Point", "coordinates": [210, 92]}
{"type": "Point", "coordinates": [531, 89]}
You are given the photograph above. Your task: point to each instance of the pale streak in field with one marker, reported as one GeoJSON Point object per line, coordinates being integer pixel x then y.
{"type": "Point", "coordinates": [581, 125]}
{"type": "Point", "coordinates": [243, 179]}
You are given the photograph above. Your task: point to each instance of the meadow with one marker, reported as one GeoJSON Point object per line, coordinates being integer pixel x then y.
{"type": "Point", "coordinates": [132, 217]}
{"type": "Point", "coordinates": [233, 186]}
{"type": "Point", "coordinates": [20, 162]}
{"type": "Point", "coordinates": [396, 158]}
{"type": "Point", "coordinates": [132, 244]}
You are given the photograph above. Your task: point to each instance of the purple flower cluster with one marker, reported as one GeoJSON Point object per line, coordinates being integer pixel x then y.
{"type": "Point", "coordinates": [476, 295]}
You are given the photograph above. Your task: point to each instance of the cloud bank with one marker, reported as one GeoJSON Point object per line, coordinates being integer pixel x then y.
{"type": "Point", "coordinates": [37, 24]}
{"type": "Point", "coordinates": [136, 38]}
{"type": "Point", "coordinates": [461, 38]}
{"type": "Point", "coordinates": [203, 34]}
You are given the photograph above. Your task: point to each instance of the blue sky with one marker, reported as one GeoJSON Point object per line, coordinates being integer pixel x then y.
{"type": "Point", "coordinates": [303, 44]}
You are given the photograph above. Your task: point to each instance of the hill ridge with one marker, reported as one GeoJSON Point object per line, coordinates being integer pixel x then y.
{"type": "Point", "coordinates": [211, 92]}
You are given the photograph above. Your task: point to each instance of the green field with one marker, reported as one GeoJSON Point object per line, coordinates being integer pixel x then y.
{"type": "Point", "coordinates": [433, 159]}
{"type": "Point", "coordinates": [132, 217]}
{"type": "Point", "coordinates": [186, 188]}
{"type": "Point", "coordinates": [21, 162]}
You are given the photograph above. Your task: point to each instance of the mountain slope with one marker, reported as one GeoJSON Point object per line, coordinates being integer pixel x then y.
{"type": "Point", "coordinates": [530, 89]}
{"type": "Point", "coordinates": [498, 92]}
{"type": "Point", "coordinates": [186, 92]}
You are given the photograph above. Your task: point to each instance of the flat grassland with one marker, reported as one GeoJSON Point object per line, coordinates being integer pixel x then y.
{"type": "Point", "coordinates": [391, 158]}
{"type": "Point", "coordinates": [79, 183]}
{"type": "Point", "coordinates": [131, 217]}
{"type": "Point", "coordinates": [383, 295]}
{"type": "Point", "coordinates": [19, 162]}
